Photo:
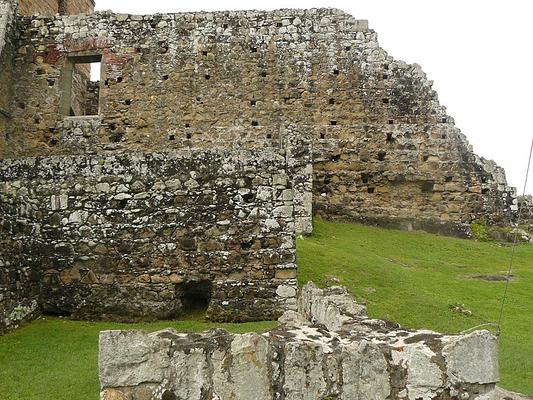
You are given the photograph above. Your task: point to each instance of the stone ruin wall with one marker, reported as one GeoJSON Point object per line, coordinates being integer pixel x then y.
{"type": "Point", "coordinates": [146, 236]}
{"type": "Point", "coordinates": [330, 349]}
{"type": "Point", "coordinates": [384, 150]}
{"type": "Point", "coordinates": [52, 7]}
{"type": "Point", "coordinates": [312, 86]}
{"type": "Point", "coordinates": [7, 36]}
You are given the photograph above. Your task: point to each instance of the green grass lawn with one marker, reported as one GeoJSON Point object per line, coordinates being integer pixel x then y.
{"type": "Point", "coordinates": [411, 278]}
{"type": "Point", "coordinates": [55, 359]}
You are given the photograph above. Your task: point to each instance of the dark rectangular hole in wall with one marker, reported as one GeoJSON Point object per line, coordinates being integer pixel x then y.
{"type": "Point", "coordinates": [322, 136]}
{"type": "Point", "coordinates": [364, 178]}
{"type": "Point", "coordinates": [427, 187]}
{"type": "Point", "coordinates": [188, 135]}
{"type": "Point", "coordinates": [331, 101]}
{"type": "Point", "coordinates": [381, 155]}
{"type": "Point", "coordinates": [333, 122]}
{"type": "Point", "coordinates": [391, 122]}
{"type": "Point", "coordinates": [84, 84]}
{"type": "Point", "coordinates": [253, 102]}
{"type": "Point", "coordinates": [425, 158]}
{"type": "Point", "coordinates": [371, 190]}
{"type": "Point", "coordinates": [194, 296]}
{"type": "Point", "coordinates": [389, 137]}
{"type": "Point", "coordinates": [335, 72]}
{"type": "Point", "coordinates": [385, 101]}
{"type": "Point", "coordinates": [485, 191]}
{"type": "Point", "coordinates": [255, 123]}
{"type": "Point", "coordinates": [449, 178]}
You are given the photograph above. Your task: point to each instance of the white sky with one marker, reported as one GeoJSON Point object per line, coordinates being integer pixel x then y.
{"type": "Point", "coordinates": [478, 53]}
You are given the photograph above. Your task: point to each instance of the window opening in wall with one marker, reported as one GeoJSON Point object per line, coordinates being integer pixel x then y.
{"type": "Point", "coordinates": [381, 155]}
{"type": "Point", "coordinates": [370, 190]}
{"type": "Point", "coordinates": [81, 85]}
{"type": "Point", "coordinates": [389, 137]}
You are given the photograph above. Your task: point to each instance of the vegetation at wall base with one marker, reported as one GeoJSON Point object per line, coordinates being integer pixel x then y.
{"type": "Point", "coordinates": [417, 279]}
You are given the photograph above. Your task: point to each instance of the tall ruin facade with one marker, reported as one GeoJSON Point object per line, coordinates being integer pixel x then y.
{"type": "Point", "coordinates": [206, 144]}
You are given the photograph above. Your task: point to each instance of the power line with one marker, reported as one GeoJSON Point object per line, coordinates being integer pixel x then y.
{"type": "Point", "coordinates": [515, 239]}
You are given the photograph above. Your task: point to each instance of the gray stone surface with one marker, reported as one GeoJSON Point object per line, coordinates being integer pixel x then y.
{"type": "Point", "coordinates": [470, 358]}
{"type": "Point", "coordinates": [302, 360]}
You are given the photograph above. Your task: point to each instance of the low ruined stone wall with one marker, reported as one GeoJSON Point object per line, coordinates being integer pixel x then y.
{"type": "Point", "coordinates": [153, 235]}
{"type": "Point", "coordinates": [329, 350]}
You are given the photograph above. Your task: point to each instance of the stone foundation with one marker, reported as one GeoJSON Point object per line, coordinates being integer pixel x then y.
{"type": "Point", "coordinates": [328, 350]}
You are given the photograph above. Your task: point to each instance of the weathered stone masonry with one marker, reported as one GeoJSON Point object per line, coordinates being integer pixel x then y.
{"type": "Point", "coordinates": [384, 150]}
{"type": "Point", "coordinates": [151, 235]}
{"type": "Point", "coordinates": [329, 350]}
{"type": "Point", "coordinates": [359, 136]}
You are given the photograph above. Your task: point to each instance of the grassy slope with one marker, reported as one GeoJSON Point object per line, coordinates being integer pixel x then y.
{"type": "Point", "coordinates": [54, 359]}
{"type": "Point", "coordinates": [412, 278]}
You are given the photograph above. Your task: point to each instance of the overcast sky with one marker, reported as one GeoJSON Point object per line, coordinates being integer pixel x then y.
{"type": "Point", "coordinates": [478, 53]}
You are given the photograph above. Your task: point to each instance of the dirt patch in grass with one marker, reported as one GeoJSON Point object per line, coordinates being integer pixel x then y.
{"type": "Point", "coordinates": [494, 278]}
